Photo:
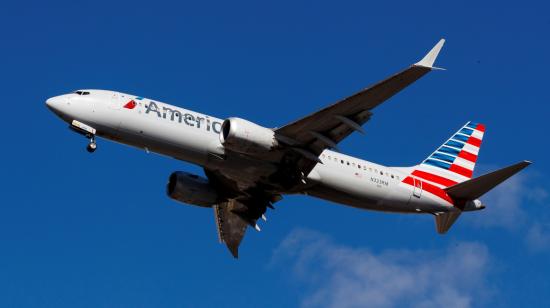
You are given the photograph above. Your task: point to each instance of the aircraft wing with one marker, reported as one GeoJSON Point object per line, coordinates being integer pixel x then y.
{"type": "Point", "coordinates": [326, 128]}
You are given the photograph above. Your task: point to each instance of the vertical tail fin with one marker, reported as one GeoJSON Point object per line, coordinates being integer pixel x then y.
{"type": "Point", "coordinates": [454, 161]}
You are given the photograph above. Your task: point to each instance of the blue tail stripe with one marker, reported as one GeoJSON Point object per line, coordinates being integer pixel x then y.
{"type": "Point", "coordinates": [437, 163]}
{"type": "Point", "coordinates": [444, 157]}
{"type": "Point", "coordinates": [466, 131]}
{"type": "Point", "coordinates": [472, 125]}
{"type": "Point", "coordinates": [455, 144]}
{"type": "Point", "coordinates": [448, 150]}
{"type": "Point", "coordinates": [460, 138]}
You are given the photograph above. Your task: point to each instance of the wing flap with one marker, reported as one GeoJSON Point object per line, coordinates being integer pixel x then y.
{"type": "Point", "coordinates": [231, 227]}
{"type": "Point", "coordinates": [234, 216]}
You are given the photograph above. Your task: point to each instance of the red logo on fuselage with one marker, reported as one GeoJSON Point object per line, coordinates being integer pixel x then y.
{"type": "Point", "coordinates": [130, 105]}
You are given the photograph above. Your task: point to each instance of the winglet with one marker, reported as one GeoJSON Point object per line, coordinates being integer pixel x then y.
{"type": "Point", "coordinates": [429, 59]}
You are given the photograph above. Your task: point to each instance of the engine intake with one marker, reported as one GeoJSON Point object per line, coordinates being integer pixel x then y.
{"type": "Point", "coordinates": [245, 137]}
{"type": "Point", "coordinates": [192, 189]}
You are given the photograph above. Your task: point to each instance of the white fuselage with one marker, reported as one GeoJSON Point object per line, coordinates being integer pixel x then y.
{"type": "Point", "coordinates": [193, 137]}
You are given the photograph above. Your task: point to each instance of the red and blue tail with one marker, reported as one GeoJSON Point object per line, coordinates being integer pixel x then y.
{"type": "Point", "coordinates": [455, 160]}
{"type": "Point", "coordinates": [447, 174]}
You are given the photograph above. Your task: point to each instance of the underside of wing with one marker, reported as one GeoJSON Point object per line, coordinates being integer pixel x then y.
{"type": "Point", "coordinates": [234, 216]}
{"type": "Point", "coordinates": [324, 129]}
{"type": "Point", "coordinates": [238, 209]}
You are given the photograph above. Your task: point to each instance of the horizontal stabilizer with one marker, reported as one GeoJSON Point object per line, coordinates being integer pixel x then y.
{"type": "Point", "coordinates": [475, 188]}
{"type": "Point", "coordinates": [444, 221]}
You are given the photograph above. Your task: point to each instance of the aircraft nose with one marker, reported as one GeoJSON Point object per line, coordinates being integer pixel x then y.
{"type": "Point", "coordinates": [53, 102]}
{"type": "Point", "coordinates": [56, 104]}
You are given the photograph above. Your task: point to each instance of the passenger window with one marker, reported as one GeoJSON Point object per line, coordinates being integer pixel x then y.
{"type": "Point", "coordinates": [342, 161]}
{"type": "Point", "coordinates": [348, 163]}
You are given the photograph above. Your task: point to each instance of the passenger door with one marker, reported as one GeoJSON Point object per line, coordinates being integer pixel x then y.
{"type": "Point", "coordinates": [417, 189]}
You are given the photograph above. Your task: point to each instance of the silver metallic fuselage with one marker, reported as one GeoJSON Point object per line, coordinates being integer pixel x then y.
{"type": "Point", "coordinates": [193, 137]}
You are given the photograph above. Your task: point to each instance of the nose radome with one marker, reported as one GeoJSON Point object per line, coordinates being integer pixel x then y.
{"type": "Point", "coordinates": [56, 104]}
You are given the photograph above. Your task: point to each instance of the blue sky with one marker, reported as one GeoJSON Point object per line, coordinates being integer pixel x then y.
{"type": "Point", "coordinates": [98, 231]}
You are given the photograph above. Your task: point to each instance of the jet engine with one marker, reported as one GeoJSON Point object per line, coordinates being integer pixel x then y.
{"type": "Point", "coordinates": [245, 137]}
{"type": "Point", "coordinates": [192, 189]}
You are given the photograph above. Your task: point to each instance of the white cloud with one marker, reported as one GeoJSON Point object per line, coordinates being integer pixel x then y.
{"type": "Point", "coordinates": [510, 205]}
{"type": "Point", "coordinates": [504, 205]}
{"type": "Point", "coordinates": [341, 276]}
{"type": "Point", "coordinates": [517, 204]}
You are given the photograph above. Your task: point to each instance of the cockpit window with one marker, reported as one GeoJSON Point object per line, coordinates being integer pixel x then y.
{"type": "Point", "coordinates": [82, 92]}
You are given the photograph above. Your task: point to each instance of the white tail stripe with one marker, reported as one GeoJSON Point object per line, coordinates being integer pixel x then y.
{"type": "Point", "coordinates": [464, 163]}
{"type": "Point", "coordinates": [477, 134]}
{"type": "Point", "coordinates": [471, 148]}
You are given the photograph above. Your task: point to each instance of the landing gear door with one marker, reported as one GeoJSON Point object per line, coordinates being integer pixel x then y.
{"type": "Point", "coordinates": [417, 189]}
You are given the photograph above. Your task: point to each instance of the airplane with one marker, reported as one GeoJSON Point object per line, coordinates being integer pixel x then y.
{"type": "Point", "coordinates": [249, 167]}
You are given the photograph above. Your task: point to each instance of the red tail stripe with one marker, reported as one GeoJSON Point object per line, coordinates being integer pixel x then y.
{"type": "Point", "coordinates": [461, 170]}
{"type": "Point", "coordinates": [474, 141]}
{"type": "Point", "coordinates": [434, 178]}
{"type": "Point", "coordinates": [468, 156]}
{"type": "Point", "coordinates": [409, 180]}
{"type": "Point", "coordinates": [432, 189]}
{"type": "Point", "coordinates": [480, 127]}
{"type": "Point", "coordinates": [436, 191]}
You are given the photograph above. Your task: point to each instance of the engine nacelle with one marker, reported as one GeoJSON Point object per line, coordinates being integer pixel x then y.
{"type": "Point", "coordinates": [192, 189]}
{"type": "Point", "coordinates": [245, 137]}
